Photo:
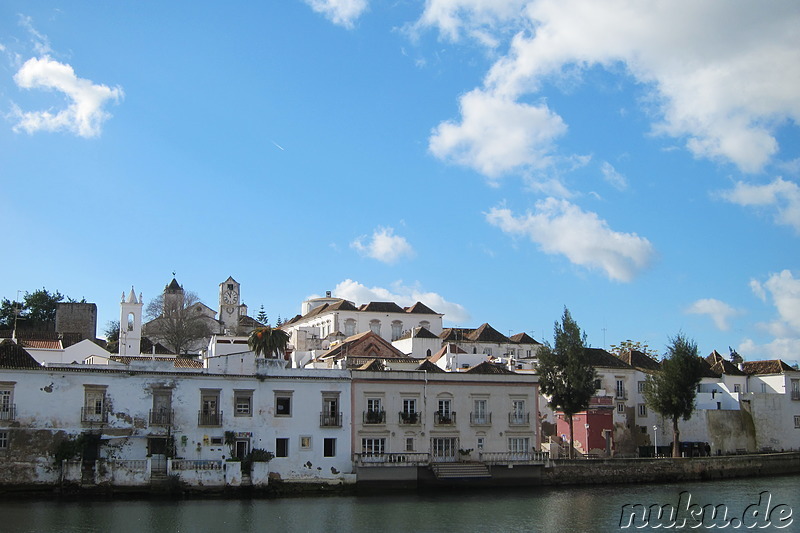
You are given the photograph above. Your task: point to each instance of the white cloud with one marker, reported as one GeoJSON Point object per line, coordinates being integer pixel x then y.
{"type": "Point", "coordinates": [613, 177]}
{"type": "Point", "coordinates": [781, 195]}
{"type": "Point", "coordinates": [384, 246]}
{"type": "Point", "coordinates": [83, 116]}
{"type": "Point", "coordinates": [403, 295]}
{"type": "Point", "coordinates": [783, 289]}
{"type": "Point", "coordinates": [719, 311]}
{"type": "Point", "coordinates": [722, 75]}
{"type": "Point", "coordinates": [41, 44]}
{"type": "Point", "coordinates": [497, 134]}
{"type": "Point", "coordinates": [481, 20]}
{"type": "Point", "coordinates": [560, 227]}
{"type": "Point", "coordinates": [341, 12]}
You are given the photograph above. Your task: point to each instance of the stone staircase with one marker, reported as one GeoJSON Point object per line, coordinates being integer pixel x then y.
{"type": "Point", "coordinates": [460, 471]}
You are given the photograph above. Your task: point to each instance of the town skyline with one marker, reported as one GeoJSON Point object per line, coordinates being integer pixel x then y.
{"type": "Point", "coordinates": [497, 161]}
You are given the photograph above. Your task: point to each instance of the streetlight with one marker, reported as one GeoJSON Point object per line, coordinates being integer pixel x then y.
{"type": "Point", "coordinates": [655, 439]}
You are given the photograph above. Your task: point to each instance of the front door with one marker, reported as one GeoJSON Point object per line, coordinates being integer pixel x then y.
{"type": "Point", "coordinates": [158, 455]}
{"type": "Point", "coordinates": [242, 448]}
{"type": "Point", "coordinates": [443, 449]}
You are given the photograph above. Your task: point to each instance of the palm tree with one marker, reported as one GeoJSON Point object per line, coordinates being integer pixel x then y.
{"type": "Point", "coordinates": [268, 341]}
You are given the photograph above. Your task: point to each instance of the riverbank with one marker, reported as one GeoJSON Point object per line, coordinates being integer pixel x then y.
{"type": "Point", "coordinates": [552, 473]}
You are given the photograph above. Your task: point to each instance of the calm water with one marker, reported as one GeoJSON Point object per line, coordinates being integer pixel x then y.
{"type": "Point", "coordinates": [546, 509]}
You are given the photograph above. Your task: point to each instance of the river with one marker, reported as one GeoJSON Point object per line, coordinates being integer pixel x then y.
{"type": "Point", "coordinates": [586, 508]}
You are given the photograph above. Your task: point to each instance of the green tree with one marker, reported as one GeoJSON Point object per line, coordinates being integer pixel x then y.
{"type": "Point", "coordinates": [268, 341]}
{"type": "Point", "coordinates": [262, 316]}
{"type": "Point", "coordinates": [671, 391]}
{"type": "Point", "coordinates": [629, 345]}
{"type": "Point", "coordinates": [566, 376]}
{"type": "Point", "coordinates": [37, 310]}
{"type": "Point", "coordinates": [112, 336]}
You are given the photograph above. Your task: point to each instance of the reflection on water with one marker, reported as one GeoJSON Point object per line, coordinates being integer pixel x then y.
{"type": "Point", "coordinates": [589, 508]}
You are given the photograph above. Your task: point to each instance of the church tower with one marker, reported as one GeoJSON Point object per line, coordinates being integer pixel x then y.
{"type": "Point", "coordinates": [229, 307]}
{"type": "Point", "coordinates": [130, 324]}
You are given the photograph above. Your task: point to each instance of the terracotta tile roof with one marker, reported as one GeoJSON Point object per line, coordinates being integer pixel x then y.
{"type": "Point", "coordinates": [382, 307]}
{"type": "Point", "coordinates": [601, 358]}
{"type": "Point", "coordinates": [640, 361]}
{"type": "Point", "coordinates": [420, 308]}
{"type": "Point", "coordinates": [523, 338]}
{"type": "Point", "coordinates": [373, 365]}
{"type": "Point", "coordinates": [720, 365]}
{"type": "Point", "coordinates": [342, 305]}
{"type": "Point", "coordinates": [488, 368]}
{"type": "Point", "coordinates": [294, 319]}
{"type": "Point", "coordinates": [774, 366]}
{"type": "Point", "coordinates": [366, 344]}
{"type": "Point", "coordinates": [455, 334]}
{"type": "Point", "coordinates": [707, 371]}
{"type": "Point", "coordinates": [486, 333]}
{"type": "Point", "coordinates": [41, 344]}
{"type": "Point", "coordinates": [428, 366]}
{"type": "Point", "coordinates": [179, 362]}
{"type": "Point", "coordinates": [12, 355]}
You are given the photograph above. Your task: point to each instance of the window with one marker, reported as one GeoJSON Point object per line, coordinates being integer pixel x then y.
{"type": "Point", "coordinates": [763, 387]}
{"type": "Point", "coordinates": [797, 422]}
{"type": "Point", "coordinates": [94, 409]}
{"type": "Point", "coordinates": [375, 326]}
{"type": "Point", "coordinates": [161, 415]}
{"type": "Point", "coordinates": [215, 441]}
{"type": "Point", "coordinates": [243, 402]}
{"type": "Point", "coordinates": [518, 444]}
{"type": "Point", "coordinates": [281, 447]}
{"type": "Point", "coordinates": [642, 410]}
{"type": "Point", "coordinates": [329, 448]}
{"type": "Point", "coordinates": [331, 417]}
{"type": "Point", "coordinates": [305, 443]}
{"type": "Point", "coordinates": [642, 385]}
{"type": "Point", "coordinates": [620, 407]}
{"type": "Point", "coordinates": [210, 415]}
{"type": "Point", "coordinates": [283, 403]}
{"type": "Point", "coordinates": [409, 413]}
{"type": "Point", "coordinates": [480, 443]}
{"type": "Point", "coordinates": [737, 388]}
{"type": "Point", "coordinates": [487, 351]}
{"type": "Point", "coordinates": [409, 444]}
{"type": "Point", "coordinates": [597, 384]}
{"type": "Point", "coordinates": [796, 389]}
{"type": "Point", "coordinates": [373, 446]}
{"type": "Point", "coordinates": [397, 329]}
{"type": "Point", "coordinates": [7, 401]}
{"type": "Point", "coordinates": [480, 414]}
{"type": "Point", "coordinates": [375, 413]}
{"type": "Point", "coordinates": [620, 388]}
{"type": "Point", "coordinates": [374, 405]}
{"type": "Point", "coordinates": [3, 440]}
{"type": "Point", "coordinates": [444, 408]}
{"type": "Point", "coordinates": [518, 414]}
{"type": "Point", "coordinates": [425, 324]}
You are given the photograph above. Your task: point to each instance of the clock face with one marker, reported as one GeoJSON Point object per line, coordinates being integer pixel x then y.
{"type": "Point", "coordinates": [229, 297]}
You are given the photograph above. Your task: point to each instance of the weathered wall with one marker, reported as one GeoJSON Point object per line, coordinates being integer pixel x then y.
{"type": "Point", "coordinates": [77, 318]}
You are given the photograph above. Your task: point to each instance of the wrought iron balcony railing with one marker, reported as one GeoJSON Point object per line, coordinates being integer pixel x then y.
{"type": "Point", "coordinates": [444, 419]}
{"type": "Point", "coordinates": [330, 420]}
{"type": "Point", "coordinates": [210, 419]}
{"type": "Point", "coordinates": [374, 417]}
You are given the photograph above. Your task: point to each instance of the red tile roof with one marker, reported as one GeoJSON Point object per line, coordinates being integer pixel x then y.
{"type": "Point", "coordinates": [12, 355]}
{"type": "Point", "coordinates": [774, 366]}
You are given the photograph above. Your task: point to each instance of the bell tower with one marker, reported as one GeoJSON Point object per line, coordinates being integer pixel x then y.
{"type": "Point", "coordinates": [130, 324]}
{"type": "Point", "coordinates": [229, 306]}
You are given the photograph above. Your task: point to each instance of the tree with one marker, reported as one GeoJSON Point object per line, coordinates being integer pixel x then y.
{"type": "Point", "coordinates": [672, 390]}
{"type": "Point", "coordinates": [629, 346]}
{"type": "Point", "coordinates": [268, 341]}
{"type": "Point", "coordinates": [565, 374]}
{"type": "Point", "coordinates": [262, 315]}
{"type": "Point", "coordinates": [177, 321]}
{"type": "Point", "coordinates": [112, 336]}
{"type": "Point", "coordinates": [37, 309]}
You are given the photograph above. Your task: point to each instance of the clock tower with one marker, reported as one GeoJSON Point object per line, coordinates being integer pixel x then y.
{"type": "Point", "coordinates": [230, 308]}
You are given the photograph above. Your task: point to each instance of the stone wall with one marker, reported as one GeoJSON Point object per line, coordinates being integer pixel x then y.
{"type": "Point", "coordinates": [77, 318]}
{"type": "Point", "coordinates": [575, 472]}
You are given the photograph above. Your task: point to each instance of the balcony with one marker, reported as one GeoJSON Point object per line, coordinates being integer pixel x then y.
{"type": "Point", "coordinates": [209, 419]}
{"type": "Point", "coordinates": [8, 413]}
{"type": "Point", "coordinates": [409, 419]}
{"type": "Point", "coordinates": [480, 419]}
{"type": "Point", "coordinates": [444, 419]}
{"type": "Point", "coordinates": [93, 415]}
{"type": "Point", "coordinates": [374, 417]}
{"type": "Point", "coordinates": [330, 420]}
{"type": "Point", "coordinates": [161, 417]}
{"type": "Point", "coordinates": [516, 418]}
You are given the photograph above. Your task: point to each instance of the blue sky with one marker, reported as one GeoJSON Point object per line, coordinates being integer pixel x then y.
{"type": "Point", "coordinates": [637, 162]}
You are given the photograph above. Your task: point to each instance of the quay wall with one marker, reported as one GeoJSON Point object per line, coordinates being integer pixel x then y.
{"type": "Point", "coordinates": [607, 471]}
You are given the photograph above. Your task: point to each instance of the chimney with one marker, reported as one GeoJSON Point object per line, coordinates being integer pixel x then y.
{"type": "Point", "coordinates": [327, 294]}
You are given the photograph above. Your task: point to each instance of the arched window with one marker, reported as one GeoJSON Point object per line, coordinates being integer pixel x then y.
{"type": "Point", "coordinates": [397, 329]}
{"type": "Point", "coordinates": [130, 321]}
{"type": "Point", "coordinates": [375, 326]}
{"type": "Point", "coordinates": [349, 327]}
{"type": "Point", "coordinates": [425, 324]}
